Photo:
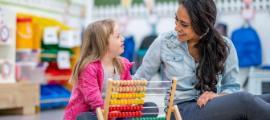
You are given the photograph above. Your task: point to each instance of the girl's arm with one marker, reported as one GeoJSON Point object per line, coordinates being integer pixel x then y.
{"type": "Point", "coordinates": [88, 85]}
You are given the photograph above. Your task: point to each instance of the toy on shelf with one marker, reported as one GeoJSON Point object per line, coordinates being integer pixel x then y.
{"type": "Point", "coordinates": [125, 99]}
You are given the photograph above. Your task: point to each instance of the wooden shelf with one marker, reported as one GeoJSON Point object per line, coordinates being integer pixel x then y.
{"type": "Point", "coordinates": [19, 98]}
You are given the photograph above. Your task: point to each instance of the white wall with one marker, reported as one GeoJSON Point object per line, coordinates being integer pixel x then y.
{"type": "Point", "coordinates": [260, 24]}
{"type": "Point", "coordinates": [139, 27]}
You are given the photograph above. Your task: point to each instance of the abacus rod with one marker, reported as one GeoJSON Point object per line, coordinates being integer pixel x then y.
{"type": "Point", "coordinates": [156, 107]}
{"type": "Point", "coordinates": [155, 94]}
{"type": "Point", "coordinates": [159, 81]}
{"type": "Point", "coordinates": [157, 88]}
{"type": "Point", "coordinates": [150, 113]}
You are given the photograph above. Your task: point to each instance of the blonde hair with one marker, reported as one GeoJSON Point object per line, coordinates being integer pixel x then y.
{"type": "Point", "coordinates": [95, 44]}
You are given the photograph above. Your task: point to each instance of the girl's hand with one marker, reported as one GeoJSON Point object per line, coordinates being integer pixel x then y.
{"type": "Point", "coordinates": [205, 97]}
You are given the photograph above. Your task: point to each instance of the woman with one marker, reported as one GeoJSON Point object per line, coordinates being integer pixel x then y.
{"type": "Point", "coordinates": [205, 65]}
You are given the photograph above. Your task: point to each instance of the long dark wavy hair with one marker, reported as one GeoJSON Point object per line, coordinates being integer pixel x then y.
{"type": "Point", "coordinates": [213, 50]}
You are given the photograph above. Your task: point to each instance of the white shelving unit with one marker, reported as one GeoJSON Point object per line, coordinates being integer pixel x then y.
{"type": "Point", "coordinates": [7, 45]}
{"type": "Point", "coordinates": [257, 77]}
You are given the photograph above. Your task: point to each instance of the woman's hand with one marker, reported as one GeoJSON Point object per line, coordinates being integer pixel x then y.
{"type": "Point", "coordinates": [205, 97]}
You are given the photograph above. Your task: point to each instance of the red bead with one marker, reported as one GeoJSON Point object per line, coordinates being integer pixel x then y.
{"type": "Point", "coordinates": [114, 115]}
{"type": "Point", "coordinates": [120, 115]}
{"type": "Point", "coordinates": [138, 114]}
{"type": "Point", "coordinates": [137, 107]}
{"type": "Point", "coordinates": [126, 114]}
{"type": "Point", "coordinates": [126, 108]}
{"type": "Point", "coordinates": [111, 115]}
{"type": "Point", "coordinates": [129, 108]}
{"type": "Point", "coordinates": [118, 108]}
{"type": "Point", "coordinates": [132, 114]}
{"type": "Point", "coordinates": [140, 107]}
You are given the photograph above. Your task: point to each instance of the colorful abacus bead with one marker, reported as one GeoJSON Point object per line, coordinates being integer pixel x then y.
{"type": "Point", "coordinates": [115, 83]}
{"type": "Point", "coordinates": [141, 82]}
{"type": "Point", "coordinates": [129, 82]}
{"type": "Point", "coordinates": [123, 83]}
{"type": "Point", "coordinates": [114, 96]}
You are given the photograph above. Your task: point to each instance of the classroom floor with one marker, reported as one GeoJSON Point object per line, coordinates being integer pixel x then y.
{"type": "Point", "coordinates": [55, 114]}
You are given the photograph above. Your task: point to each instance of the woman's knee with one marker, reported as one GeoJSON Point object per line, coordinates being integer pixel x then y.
{"type": "Point", "coordinates": [245, 98]}
{"type": "Point", "coordinates": [153, 108]}
{"type": "Point", "coordinates": [86, 116]}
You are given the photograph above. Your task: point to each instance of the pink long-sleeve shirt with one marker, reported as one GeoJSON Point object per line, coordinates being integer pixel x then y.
{"type": "Point", "coordinates": [86, 93]}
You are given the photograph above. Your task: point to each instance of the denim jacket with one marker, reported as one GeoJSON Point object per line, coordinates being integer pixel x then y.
{"type": "Point", "coordinates": [173, 55]}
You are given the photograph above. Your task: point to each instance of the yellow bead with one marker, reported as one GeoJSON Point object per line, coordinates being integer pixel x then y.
{"type": "Point", "coordinates": [112, 102]}
{"type": "Point", "coordinates": [141, 95]}
{"type": "Point", "coordinates": [123, 102]}
{"type": "Point", "coordinates": [138, 102]}
{"type": "Point", "coordinates": [138, 95]}
{"type": "Point", "coordinates": [135, 95]}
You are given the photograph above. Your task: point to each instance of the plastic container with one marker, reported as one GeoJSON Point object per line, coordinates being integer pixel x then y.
{"type": "Point", "coordinates": [24, 38]}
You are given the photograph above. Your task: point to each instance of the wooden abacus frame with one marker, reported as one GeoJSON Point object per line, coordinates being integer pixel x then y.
{"type": "Point", "coordinates": [102, 114]}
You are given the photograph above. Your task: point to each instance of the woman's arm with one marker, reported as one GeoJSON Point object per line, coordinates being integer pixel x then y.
{"type": "Point", "coordinates": [151, 61]}
{"type": "Point", "coordinates": [229, 82]}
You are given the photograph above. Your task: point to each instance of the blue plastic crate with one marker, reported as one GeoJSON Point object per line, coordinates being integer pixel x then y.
{"type": "Point", "coordinates": [53, 96]}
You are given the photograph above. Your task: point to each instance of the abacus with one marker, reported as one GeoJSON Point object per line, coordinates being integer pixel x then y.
{"type": "Point", "coordinates": [125, 99]}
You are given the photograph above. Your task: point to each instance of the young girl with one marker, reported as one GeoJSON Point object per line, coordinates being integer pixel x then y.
{"type": "Point", "coordinates": [99, 60]}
